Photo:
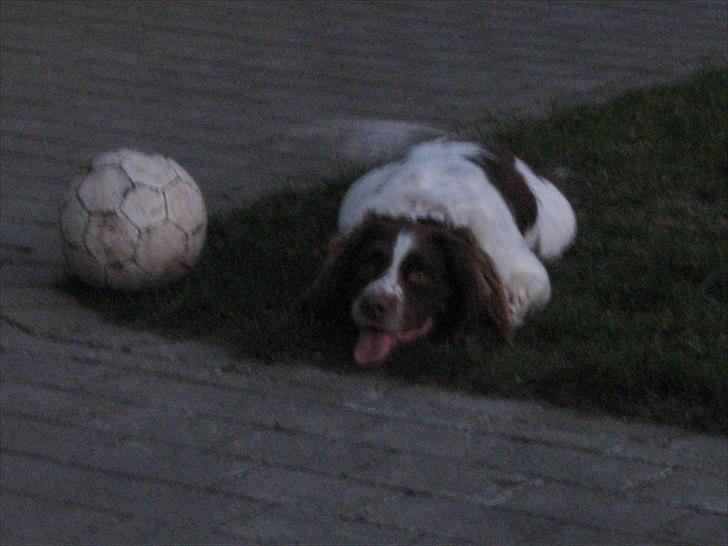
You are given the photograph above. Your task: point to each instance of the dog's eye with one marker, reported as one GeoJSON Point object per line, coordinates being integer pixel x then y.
{"type": "Point", "coordinates": [369, 269]}
{"type": "Point", "coordinates": [417, 277]}
{"type": "Point", "coordinates": [375, 256]}
{"type": "Point", "coordinates": [372, 263]}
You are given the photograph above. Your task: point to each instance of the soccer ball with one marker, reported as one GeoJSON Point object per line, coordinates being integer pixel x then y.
{"type": "Point", "coordinates": [133, 221]}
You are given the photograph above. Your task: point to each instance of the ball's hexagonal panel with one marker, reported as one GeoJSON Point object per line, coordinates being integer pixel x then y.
{"type": "Point", "coordinates": [73, 219]}
{"type": "Point", "coordinates": [144, 207]}
{"type": "Point", "coordinates": [111, 237]}
{"type": "Point", "coordinates": [126, 276]}
{"type": "Point", "coordinates": [103, 189]}
{"type": "Point", "coordinates": [195, 242]}
{"type": "Point", "coordinates": [160, 250]}
{"type": "Point", "coordinates": [82, 264]}
{"type": "Point", "coordinates": [185, 206]}
{"type": "Point", "coordinates": [183, 174]}
{"type": "Point", "coordinates": [151, 170]}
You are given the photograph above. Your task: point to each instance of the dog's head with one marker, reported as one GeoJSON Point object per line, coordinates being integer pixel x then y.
{"type": "Point", "coordinates": [398, 280]}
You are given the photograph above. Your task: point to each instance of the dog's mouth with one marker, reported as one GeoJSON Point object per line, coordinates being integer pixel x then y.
{"type": "Point", "coordinates": [374, 346]}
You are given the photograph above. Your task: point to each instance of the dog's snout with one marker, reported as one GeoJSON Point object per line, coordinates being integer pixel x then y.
{"type": "Point", "coordinates": [378, 307]}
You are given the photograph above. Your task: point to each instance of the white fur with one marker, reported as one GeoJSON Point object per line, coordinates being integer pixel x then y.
{"type": "Point", "coordinates": [436, 180]}
{"type": "Point", "coordinates": [389, 282]}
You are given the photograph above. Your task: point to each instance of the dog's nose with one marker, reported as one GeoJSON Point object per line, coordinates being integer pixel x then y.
{"type": "Point", "coordinates": [378, 307]}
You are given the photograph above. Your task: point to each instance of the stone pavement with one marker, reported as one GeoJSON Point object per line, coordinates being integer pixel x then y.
{"type": "Point", "coordinates": [117, 436]}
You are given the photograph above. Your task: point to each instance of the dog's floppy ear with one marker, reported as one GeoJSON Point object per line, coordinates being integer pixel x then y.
{"type": "Point", "coordinates": [480, 298]}
{"type": "Point", "coordinates": [327, 297]}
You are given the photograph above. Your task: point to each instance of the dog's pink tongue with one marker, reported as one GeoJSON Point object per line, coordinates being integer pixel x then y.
{"type": "Point", "coordinates": [373, 347]}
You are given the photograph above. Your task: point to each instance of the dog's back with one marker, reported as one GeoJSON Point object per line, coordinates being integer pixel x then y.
{"type": "Point", "coordinates": [444, 180]}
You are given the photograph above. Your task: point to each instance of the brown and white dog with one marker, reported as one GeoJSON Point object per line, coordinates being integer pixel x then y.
{"type": "Point", "coordinates": [448, 239]}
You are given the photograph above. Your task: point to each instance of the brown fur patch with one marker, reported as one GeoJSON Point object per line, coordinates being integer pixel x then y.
{"type": "Point", "coordinates": [503, 175]}
{"type": "Point", "coordinates": [479, 297]}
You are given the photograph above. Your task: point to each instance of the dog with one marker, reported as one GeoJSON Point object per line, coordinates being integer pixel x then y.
{"type": "Point", "coordinates": [448, 240]}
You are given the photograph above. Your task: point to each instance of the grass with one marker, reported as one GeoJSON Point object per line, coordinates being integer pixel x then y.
{"type": "Point", "coordinates": [637, 324]}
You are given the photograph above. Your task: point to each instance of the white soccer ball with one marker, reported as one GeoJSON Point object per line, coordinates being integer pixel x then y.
{"type": "Point", "coordinates": [134, 221]}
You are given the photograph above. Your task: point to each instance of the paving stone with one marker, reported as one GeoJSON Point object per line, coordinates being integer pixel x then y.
{"type": "Point", "coordinates": [30, 188]}
{"type": "Point", "coordinates": [33, 211]}
{"type": "Point", "coordinates": [708, 454]}
{"type": "Point", "coordinates": [36, 296]}
{"type": "Point", "coordinates": [301, 450]}
{"type": "Point", "coordinates": [275, 445]}
{"type": "Point", "coordinates": [532, 459]}
{"type": "Point", "coordinates": [589, 508]}
{"type": "Point", "coordinates": [273, 414]}
{"type": "Point", "coordinates": [325, 385]}
{"type": "Point", "coordinates": [35, 274]}
{"type": "Point", "coordinates": [238, 405]}
{"type": "Point", "coordinates": [334, 495]}
{"type": "Point", "coordinates": [19, 368]}
{"type": "Point", "coordinates": [25, 520]}
{"type": "Point", "coordinates": [282, 408]}
{"type": "Point", "coordinates": [143, 458]}
{"type": "Point", "coordinates": [44, 402]}
{"type": "Point", "coordinates": [71, 323]}
{"type": "Point", "coordinates": [139, 531]}
{"type": "Point", "coordinates": [20, 242]}
{"type": "Point", "coordinates": [406, 511]}
{"type": "Point", "coordinates": [294, 413]}
{"type": "Point", "coordinates": [583, 536]}
{"type": "Point", "coordinates": [200, 363]}
{"type": "Point", "coordinates": [142, 352]}
{"type": "Point", "coordinates": [467, 523]}
{"type": "Point", "coordinates": [696, 528]}
{"type": "Point", "coordinates": [169, 392]}
{"type": "Point", "coordinates": [686, 488]}
{"type": "Point", "coordinates": [665, 446]}
{"type": "Point", "coordinates": [289, 525]}
{"type": "Point", "coordinates": [120, 493]}
{"type": "Point", "coordinates": [444, 476]}
{"type": "Point", "coordinates": [21, 434]}
{"type": "Point", "coordinates": [456, 408]}
{"type": "Point", "coordinates": [166, 425]}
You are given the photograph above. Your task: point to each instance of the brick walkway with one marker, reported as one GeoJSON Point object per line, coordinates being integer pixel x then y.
{"type": "Point", "coordinates": [111, 435]}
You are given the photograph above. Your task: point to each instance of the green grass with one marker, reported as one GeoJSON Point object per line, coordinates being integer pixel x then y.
{"type": "Point", "coordinates": [637, 324]}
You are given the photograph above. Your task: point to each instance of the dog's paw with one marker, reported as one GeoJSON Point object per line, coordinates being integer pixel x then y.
{"type": "Point", "coordinates": [517, 305]}
{"type": "Point", "coordinates": [526, 292]}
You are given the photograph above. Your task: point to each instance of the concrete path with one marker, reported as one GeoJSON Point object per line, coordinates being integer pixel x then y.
{"type": "Point", "coordinates": [117, 436]}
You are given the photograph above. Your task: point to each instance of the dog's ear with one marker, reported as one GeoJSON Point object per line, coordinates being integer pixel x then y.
{"type": "Point", "coordinates": [479, 298]}
{"type": "Point", "coordinates": [327, 298]}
